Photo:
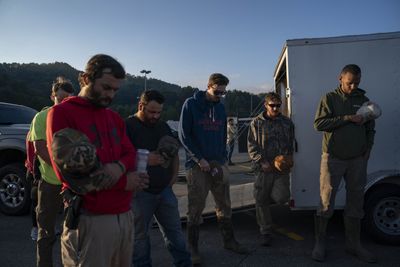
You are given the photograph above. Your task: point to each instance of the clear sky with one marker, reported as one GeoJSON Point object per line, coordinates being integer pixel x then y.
{"type": "Point", "coordinates": [182, 41]}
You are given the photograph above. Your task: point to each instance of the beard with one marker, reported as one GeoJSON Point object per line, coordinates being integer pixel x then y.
{"type": "Point", "coordinates": [151, 122]}
{"type": "Point", "coordinates": [96, 99]}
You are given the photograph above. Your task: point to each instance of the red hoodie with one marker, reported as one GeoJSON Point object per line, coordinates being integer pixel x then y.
{"type": "Point", "coordinates": [106, 130]}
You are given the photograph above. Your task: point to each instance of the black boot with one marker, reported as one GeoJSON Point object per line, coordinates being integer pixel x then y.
{"type": "Point", "coordinates": [225, 225]}
{"type": "Point", "coordinates": [353, 244]}
{"type": "Point", "coordinates": [320, 224]}
{"type": "Point", "coordinates": [193, 240]}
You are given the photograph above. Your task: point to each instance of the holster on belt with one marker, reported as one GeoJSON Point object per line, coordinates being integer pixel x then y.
{"type": "Point", "coordinates": [72, 206]}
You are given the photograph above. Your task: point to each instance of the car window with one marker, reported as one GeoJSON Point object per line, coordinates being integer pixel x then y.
{"type": "Point", "coordinates": [10, 114]}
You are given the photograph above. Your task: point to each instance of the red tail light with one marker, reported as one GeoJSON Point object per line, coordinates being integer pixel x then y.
{"type": "Point", "coordinates": [291, 203]}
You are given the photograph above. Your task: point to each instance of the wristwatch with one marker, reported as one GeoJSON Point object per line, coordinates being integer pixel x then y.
{"type": "Point", "coordinates": [120, 165]}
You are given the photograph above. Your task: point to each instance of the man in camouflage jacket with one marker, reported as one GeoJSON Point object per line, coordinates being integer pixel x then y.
{"type": "Point", "coordinates": [270, 135]}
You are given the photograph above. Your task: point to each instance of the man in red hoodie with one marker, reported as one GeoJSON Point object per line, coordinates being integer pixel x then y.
{"type": "Point", "coordinates": [105, 231]}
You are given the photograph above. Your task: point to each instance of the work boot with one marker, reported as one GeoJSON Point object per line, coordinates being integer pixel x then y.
{"type": "Point", "coordinates": [34, 233]}
{"type": "Point", "coordinates": [353, 245]}
{"type": "Point", "coordinates": [193, 240]}
{"type": "Point", "coordinates": [225, 225]}
{"type": "Point", "coordinates": [320, 224]}
{"type": "Point", "coordinates": [266, 240]}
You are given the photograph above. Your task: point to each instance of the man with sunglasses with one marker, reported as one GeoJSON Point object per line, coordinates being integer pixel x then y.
{"type": "Point", "coordinates": [270, 146]}
{"type": "Point", "coordinates": [202, 131]}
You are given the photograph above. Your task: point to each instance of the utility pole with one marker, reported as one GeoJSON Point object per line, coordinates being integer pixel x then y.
{"type": "Point", "coordinates": [145, 77]}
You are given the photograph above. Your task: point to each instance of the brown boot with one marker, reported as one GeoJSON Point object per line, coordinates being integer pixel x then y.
{"type": "Point", "coordinates": [225, 225]}
{"type": "Point", "coordinates": [193, 240]}
{"type": "Point", "coordinates": [353, 244]}
{"type": "Point", "coordinates": [320, 224]}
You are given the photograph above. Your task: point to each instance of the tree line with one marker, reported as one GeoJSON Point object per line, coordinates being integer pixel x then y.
{"type": "Point", "coordinates": [30, 85]}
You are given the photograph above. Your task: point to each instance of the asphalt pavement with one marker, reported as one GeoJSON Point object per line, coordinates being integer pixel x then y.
{"type": "Point", "coordinates": [291, 246]}
{"type": "Point", "coordinates": [292, 243]}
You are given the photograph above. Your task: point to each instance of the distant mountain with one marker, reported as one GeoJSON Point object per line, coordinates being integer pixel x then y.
{"type": "Point", "coordinates": [30, 85]}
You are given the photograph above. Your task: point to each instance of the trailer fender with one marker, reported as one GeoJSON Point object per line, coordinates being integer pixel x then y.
{"type": "Point", "coordinates": [382, 207]}
{"type": "Point", "coordinates": [386, 176]}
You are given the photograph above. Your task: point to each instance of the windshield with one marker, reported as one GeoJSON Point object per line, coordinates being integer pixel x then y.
{"type": "Point", "coordinates": [15, 114]}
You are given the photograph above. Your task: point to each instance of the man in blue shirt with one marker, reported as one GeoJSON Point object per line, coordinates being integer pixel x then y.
{"type": "Point", "coordinates": [202, 131]}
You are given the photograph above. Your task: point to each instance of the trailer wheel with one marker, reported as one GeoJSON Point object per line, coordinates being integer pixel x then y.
{"type": "Point", "coordinates": [382, 220]}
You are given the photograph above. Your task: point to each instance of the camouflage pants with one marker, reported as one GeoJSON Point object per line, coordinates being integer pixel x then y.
{"type": "Point", "coordinates": [354, 172]}
{"type": "Point", "coordinates": [269, 187]}
{"type": "Point", "coordinates": [199, 184]}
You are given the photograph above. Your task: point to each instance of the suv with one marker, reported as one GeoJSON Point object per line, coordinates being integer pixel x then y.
{"type": "Point", "coordinates": [14, 188]}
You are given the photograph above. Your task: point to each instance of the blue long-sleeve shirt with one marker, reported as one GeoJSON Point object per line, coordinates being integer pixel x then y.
{"type": "Point", "coordinates": [202, 130]}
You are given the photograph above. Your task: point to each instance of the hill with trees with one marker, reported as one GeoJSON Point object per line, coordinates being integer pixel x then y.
{"type": "Point", "coordinates": [30, 85]}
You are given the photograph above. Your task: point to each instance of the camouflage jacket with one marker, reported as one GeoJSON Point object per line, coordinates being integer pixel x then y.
{"type": "Point", "coordinates": [268, 138]}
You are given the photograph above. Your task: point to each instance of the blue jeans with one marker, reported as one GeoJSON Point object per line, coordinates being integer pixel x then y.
{"type": "Point", "coordinates": [164, 207]}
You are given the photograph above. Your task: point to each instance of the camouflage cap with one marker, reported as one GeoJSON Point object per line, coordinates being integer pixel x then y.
{"type": "Point", "coordinates": [216, 170]}
{"type": "Point", "coordinates": [75, 157]}
{"type": "Point", "coordinates": [168, 148]}
{"type": "Point", "coordinates": [283, 163]}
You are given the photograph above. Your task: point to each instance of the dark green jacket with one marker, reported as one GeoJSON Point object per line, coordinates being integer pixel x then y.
{"type": "Point", "coordinates": [342, 138]}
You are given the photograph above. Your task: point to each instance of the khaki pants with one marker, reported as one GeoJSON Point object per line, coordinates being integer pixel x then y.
{"type": "Point", "coordinates": [199, 184]}
{"type": "Point", "coordinates": [269, 187]}
{"type": "Point", "coordinates": [100, 241]}
{"type": "Point", "coordinates": [354, 173]}
{"type": "Point", "coordinates": [49, 205]}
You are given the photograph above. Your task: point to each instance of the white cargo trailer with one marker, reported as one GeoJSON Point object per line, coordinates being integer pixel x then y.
{"type": "Point", "coordinates": [309, 68]}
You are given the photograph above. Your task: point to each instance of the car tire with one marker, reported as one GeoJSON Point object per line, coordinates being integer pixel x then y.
{"type": "Point", "coordinates": [14, 190]}
{"type": "Point", "coordinates": [382, 214]}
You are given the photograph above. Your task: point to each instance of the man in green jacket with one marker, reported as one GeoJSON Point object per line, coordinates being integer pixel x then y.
{"type": "Point", "coordinates": [346, 146]}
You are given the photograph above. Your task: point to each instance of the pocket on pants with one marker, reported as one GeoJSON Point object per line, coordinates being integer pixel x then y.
{"type": "Point", "coordinates": [258, 192]}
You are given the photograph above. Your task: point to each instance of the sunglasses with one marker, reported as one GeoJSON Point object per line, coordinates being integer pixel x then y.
{"type": "Point", "coordinates": [275, 105]}
{"type": "Point", "coordinates": [219, 93]}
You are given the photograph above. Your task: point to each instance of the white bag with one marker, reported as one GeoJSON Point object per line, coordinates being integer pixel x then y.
{"type": "Point", "coordinates": [370, 111]}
